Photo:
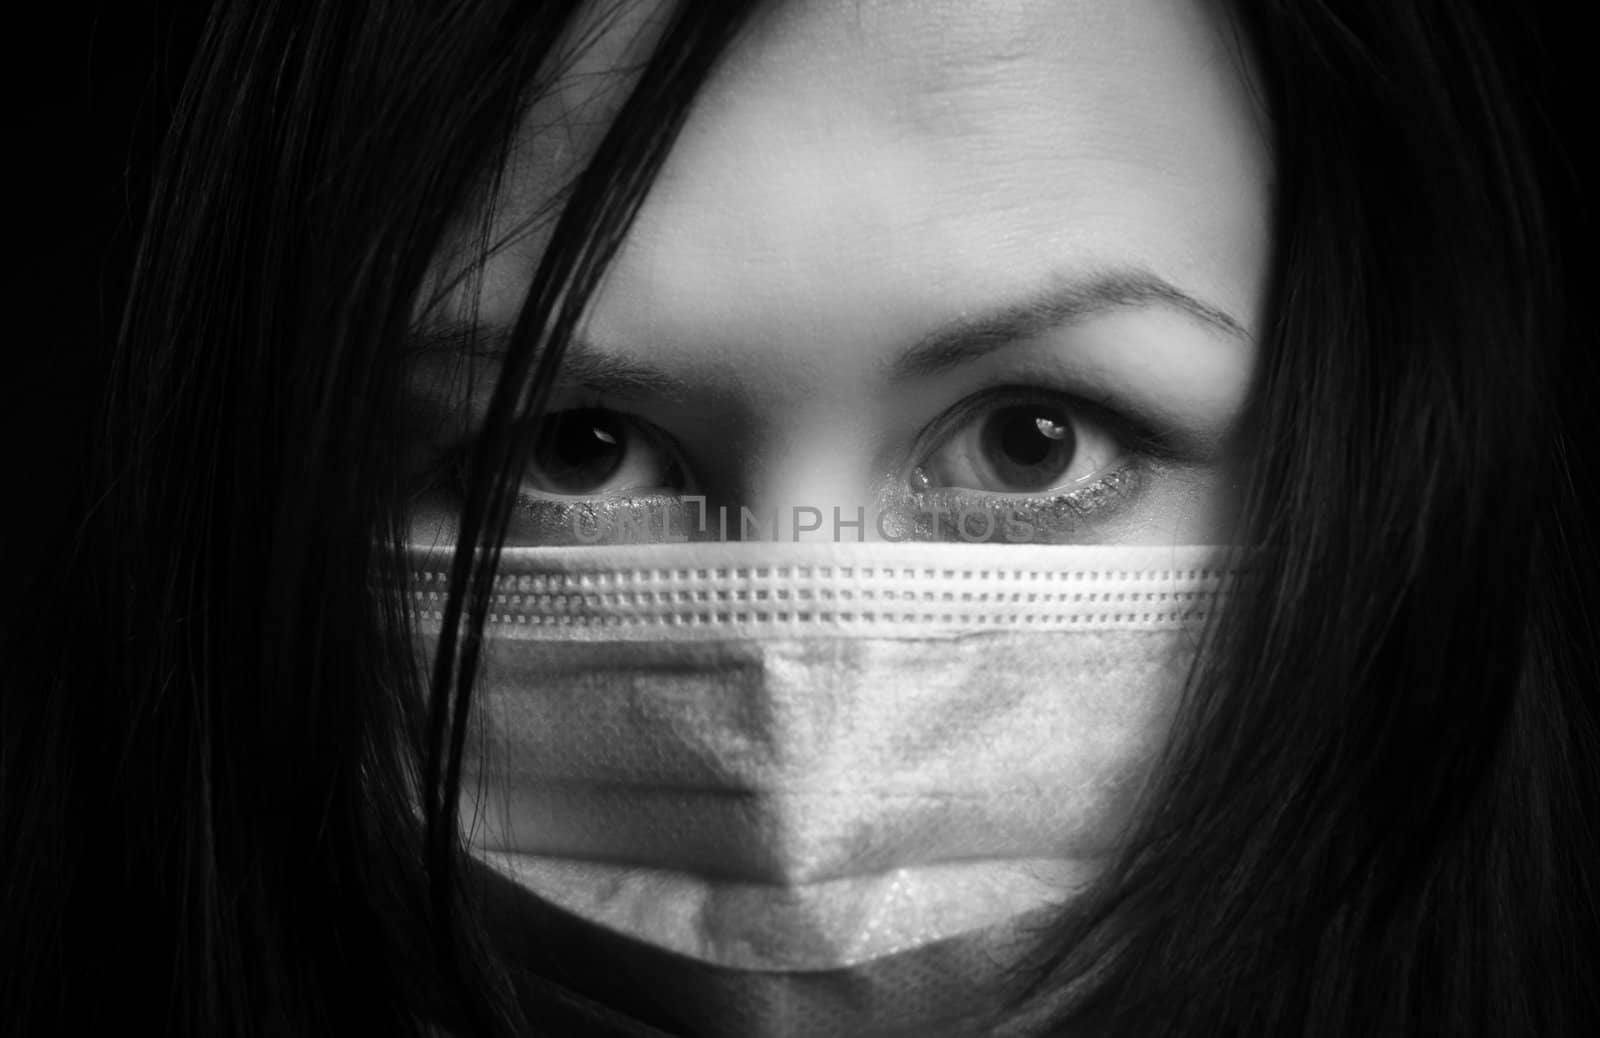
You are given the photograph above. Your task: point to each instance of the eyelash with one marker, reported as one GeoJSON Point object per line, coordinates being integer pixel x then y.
{"type": "Point", "coordinates": [938, 513]}
{"type": "Point", "coordinates": [943, 513]}
{"type": "Point", "coordinates": [947, 512]}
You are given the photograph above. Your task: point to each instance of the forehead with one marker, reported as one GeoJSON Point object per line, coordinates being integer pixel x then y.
{"type": "Point", "coordinates": [856, 168]}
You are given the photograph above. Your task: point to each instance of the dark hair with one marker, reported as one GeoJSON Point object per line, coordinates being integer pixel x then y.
{"type": "Point", "coordinates": [1377, 815]}
{"type": "Point", "coordinates": [1374, 817]}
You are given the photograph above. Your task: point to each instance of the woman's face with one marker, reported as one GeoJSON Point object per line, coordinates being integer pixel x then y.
{"type": "Point", "coordinates": [911, 258]}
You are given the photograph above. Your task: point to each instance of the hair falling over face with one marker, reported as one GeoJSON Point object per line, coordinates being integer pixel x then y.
{"type": "Point", "coordinates": [435, 306]}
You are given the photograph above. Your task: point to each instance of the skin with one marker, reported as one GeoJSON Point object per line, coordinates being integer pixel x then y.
{"type": "Point", "coordinates": [860, 177]}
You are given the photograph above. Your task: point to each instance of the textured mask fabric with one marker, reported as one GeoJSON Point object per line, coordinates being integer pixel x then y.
{"type": "Point", "coordinates": [820, 788]}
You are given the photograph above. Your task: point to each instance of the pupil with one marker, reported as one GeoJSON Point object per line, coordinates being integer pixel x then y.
{"type": "Point", "coordinates": [1029, 446]}
{"type": "Point", "coordinates": [579, 450]}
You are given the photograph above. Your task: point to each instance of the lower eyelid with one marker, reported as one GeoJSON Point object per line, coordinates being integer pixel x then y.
{"type": "Point", "coordinates": [1051, 516]}
{"type": "Point", "coordinates": [584, 520]}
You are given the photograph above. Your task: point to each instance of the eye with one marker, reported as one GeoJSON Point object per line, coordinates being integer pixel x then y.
{"type": "Point", "coordinates": [595, 452]}
{"type": "Point", "coordinates": [1011, 446]}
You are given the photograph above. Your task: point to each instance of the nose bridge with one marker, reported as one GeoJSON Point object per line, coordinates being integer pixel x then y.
{"type": "Point", "coordinates": [800, 467]}
{"type": "Point", "coordinates": [784, 466]}
{"type": "Point", "coordinates": [815, 482]}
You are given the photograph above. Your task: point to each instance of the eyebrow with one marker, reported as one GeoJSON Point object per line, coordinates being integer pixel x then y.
{"type": "Point", "coordinates": [1066, 303]}
{"type": "Point", "coordinates": [583, 363]}
{"type": "Point", "coordinates": [961, 341]}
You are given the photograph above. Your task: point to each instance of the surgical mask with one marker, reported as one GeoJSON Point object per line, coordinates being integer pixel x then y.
{"type": "Point", "coordinates": [800, 789]}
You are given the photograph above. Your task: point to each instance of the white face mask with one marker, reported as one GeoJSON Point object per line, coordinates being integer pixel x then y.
{"type": "Point", "coordinates": [821, 788]}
